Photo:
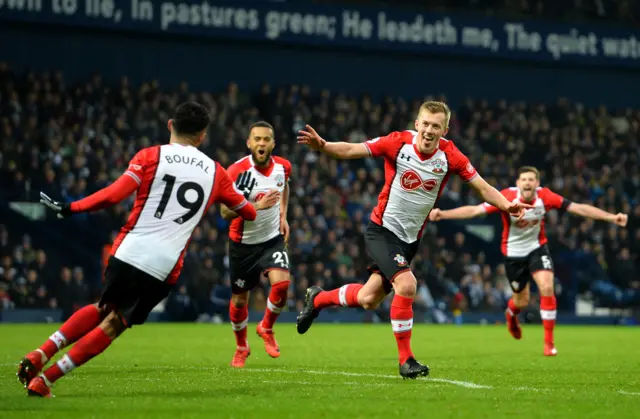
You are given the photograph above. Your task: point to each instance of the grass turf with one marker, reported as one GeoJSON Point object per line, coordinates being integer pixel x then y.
{"type": "Point", "coordinates": [337, 371]}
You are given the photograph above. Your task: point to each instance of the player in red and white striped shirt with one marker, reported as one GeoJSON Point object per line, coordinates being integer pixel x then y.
{"type": "Point", "coordinates": [417, 166]}
{"type": "Point", "coordinates": [175, 184]}
{"type": "Point", "coordinates": [524, 245]}
{"type": "Point", "coordinates": [258, 248]}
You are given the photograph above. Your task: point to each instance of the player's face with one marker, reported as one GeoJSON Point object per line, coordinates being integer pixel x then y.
{"type": "Point", "coordinates": [261, 144]}
{"type": "Point", "coordinates": [431, 127]}
{"type": "Point", "coordinates": [527, 183]}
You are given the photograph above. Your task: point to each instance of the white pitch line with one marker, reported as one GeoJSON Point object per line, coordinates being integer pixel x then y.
{"type": "Point", "coordinates": [628, 393]}
{"type": "Point", "coordinates": [465, 384]}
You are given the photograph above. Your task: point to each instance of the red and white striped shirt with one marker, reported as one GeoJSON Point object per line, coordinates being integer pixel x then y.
{"type": "Point", "coordinates": [266, 226]}
{"type": "Point", "coordinates": [413, 181]}
{"type": "Point", "coordinates": [521, 237]}
{"type": "Point", "coordinates": [176, 184]}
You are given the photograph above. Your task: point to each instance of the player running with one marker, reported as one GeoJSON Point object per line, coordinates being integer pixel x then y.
{"type": "Point", "coordinates": [175, 184]}
{"type": "Point", "coordinates": [524, 245]}
{"type": "Point", "coordinates": [417, 166]}
{"type": "Point", "coordinates": [258, 247]}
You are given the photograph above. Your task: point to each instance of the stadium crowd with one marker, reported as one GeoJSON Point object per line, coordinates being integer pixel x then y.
{"type": "Point", "coordinates": [71, 140]}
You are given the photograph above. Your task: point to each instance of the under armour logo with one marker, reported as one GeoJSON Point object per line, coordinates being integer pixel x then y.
{"type": "Point", "coordinates": [405, 157]}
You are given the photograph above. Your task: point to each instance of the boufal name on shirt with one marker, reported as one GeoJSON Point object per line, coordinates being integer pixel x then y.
{"type": "Point", "coordinates": [192, 161]}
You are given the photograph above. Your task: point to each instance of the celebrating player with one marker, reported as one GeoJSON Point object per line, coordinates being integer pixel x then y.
{"type": "Point", "coordinates": [524, 245]}
{"type": "Point", "coordinates": [417, 166]}
{"type": "Point", "coordinates": [258, 247]}
{"type": "Point", "coordinates": [175, 184]}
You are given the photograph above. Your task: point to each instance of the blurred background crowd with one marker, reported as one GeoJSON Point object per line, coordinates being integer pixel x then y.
{"type": "Point", "coordinates": [70, 140]}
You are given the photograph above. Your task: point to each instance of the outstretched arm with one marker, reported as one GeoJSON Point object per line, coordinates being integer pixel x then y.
{"type": "Point", "coordinates": [589, 211]}
{"type": "Point", "coordinates": [106, 197]}
{"type": "Point", "coordinates": [462, 213]}
{"type": "Point", "coordinates": [337, 150]}
{"type": "Point", "coordinates": [495, 198]}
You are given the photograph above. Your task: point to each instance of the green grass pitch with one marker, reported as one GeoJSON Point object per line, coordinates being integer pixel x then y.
{"type": "Point", "coordinates": [337, 371]}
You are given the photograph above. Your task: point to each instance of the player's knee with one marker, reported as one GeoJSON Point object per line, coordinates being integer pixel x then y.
{"type": "Point", "coordinates": [546, 287]}
{"type": "Point", "coordinates": [405, 285]}
{"type": "Point", "coordinates": [104, 310]}
{"type": "Point", "coordinates": [369, 302]}
{"type": "Point", "coordinates": [239, 300]}
{"type": "Point", "coordinates": [521, 300]}
{"type": "Point", "coordinates": [113, 325]}
{"type": "Point", "coordinates": [276, 276]}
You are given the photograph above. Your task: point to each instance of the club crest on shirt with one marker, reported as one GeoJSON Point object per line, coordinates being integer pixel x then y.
{"type": "Point", "coordinates": [438, 165]}
{"type": "Point", "coordinates": [400, 260]}
{"type": "Point", "coordinates": [280, 180]}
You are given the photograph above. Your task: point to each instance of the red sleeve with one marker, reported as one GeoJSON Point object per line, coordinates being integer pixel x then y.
{"type": "Point", "coordinates": [386, 146]}
{"type": "Point", "coordinates": [490, 209]}
{"type": "Point", "coordinates": [104, 198]}
{"type": "Point", "coordinates": [121, 188]}
{"type": "Point", "coordinates": [552, 200]}
{"type": "Point", "coordinates": [225, 191]}
{"type": "Point", "coordinates": [287, 166]}
{"type": "Point", "coordinates": [460, 164]}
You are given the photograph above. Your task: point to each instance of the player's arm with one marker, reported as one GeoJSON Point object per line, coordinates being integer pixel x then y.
{"type": "Point", "coordinates": [338, 150]}
{"type": "Point", "coordinates": [225, 192]}
{"type": "Point", "coordinates": [267, 201]}
{"type": "Point", "coordinates": [461, 213]}
{"type": "Point", "coordinates": [284, 202]}
{"type": "Point", "coordinates": [589, 211]}
{"type": "Point", "coordinates": [123, 187]}
{"type": "Point", "coordinates": [493, 197]}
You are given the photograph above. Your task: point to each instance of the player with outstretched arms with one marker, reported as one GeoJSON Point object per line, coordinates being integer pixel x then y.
{"type": "Point", "coordinates": [175, 184]}
{"type": "Point", "coordinates": [417, 167]}
{"type": "Point", "coordinates": [258, 247]}
{"type": "Point", "coordinates": [524, 245]}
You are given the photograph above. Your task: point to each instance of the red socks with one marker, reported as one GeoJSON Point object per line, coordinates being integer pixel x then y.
{"type": "Point", "coordinates": [402, 323]}
{"type": "Point", "coordinates": [276, 301]}
{"type": "Point", "coordinates": [87, 347]}
{"type": "Point", "coordinates": [79, 324]}
{"type": "Point", "coordinates": [346, 296]}
{"type": "Point", "coordinates": [515, 310]}
{"type": "Point", "coordinates": [548, 315]}
{"type": "Point", "coordinates": [239, 317]}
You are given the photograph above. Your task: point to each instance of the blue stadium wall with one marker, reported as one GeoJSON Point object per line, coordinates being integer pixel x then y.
{"type": "Point", "coordinates": [211, 64]}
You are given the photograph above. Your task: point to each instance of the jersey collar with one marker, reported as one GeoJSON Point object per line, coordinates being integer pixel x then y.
{"type": "Point", "coordinates": [266, 171]}
{"type": "Point", "coordinates": [421, 155]}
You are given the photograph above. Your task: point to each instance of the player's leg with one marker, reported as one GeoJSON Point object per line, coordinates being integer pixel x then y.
{"type": "Point", "coordinates": [245, 275]}
{"type": "Point", "coordinates": [405, 286]}
{"type": "Point", "coordinates": [367, 296]}
{"type": "Point", "coordinates": [78, 325]}
{"type": "Point", "coordinates": [239, 317]}
{"type": "Point", "coordinates": [544, 281]}
{"type": "Point", "coordinates": [277, 299]}
{"type": "Point", "coordinates": [518, 301]}
{"type": "Point", "coordinates": [518, 274]}
{"type": "Point", "coordinates": [541, 268]}
{"type": "Point", "coordinates": [88, 347]}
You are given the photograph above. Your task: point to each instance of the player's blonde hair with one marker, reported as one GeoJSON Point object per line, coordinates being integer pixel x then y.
{"type": "Point", "coordinates": [529, 169]}
{"type": "Point", "coordinates": [433, 106]}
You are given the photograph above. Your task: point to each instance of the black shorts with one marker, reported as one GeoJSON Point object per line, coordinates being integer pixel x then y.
{"type": "Point", "coordinates": [520, 270]}
{"type": "Point", "coordinates": [247, 262]}
{"type": "Point", "coordinates": [132, 292]}
{"type": "Point", "coordinates": [389, 255]}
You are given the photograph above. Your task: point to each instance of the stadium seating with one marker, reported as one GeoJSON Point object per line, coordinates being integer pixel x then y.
{"type": "Point", "coordinates": [70, 140]}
